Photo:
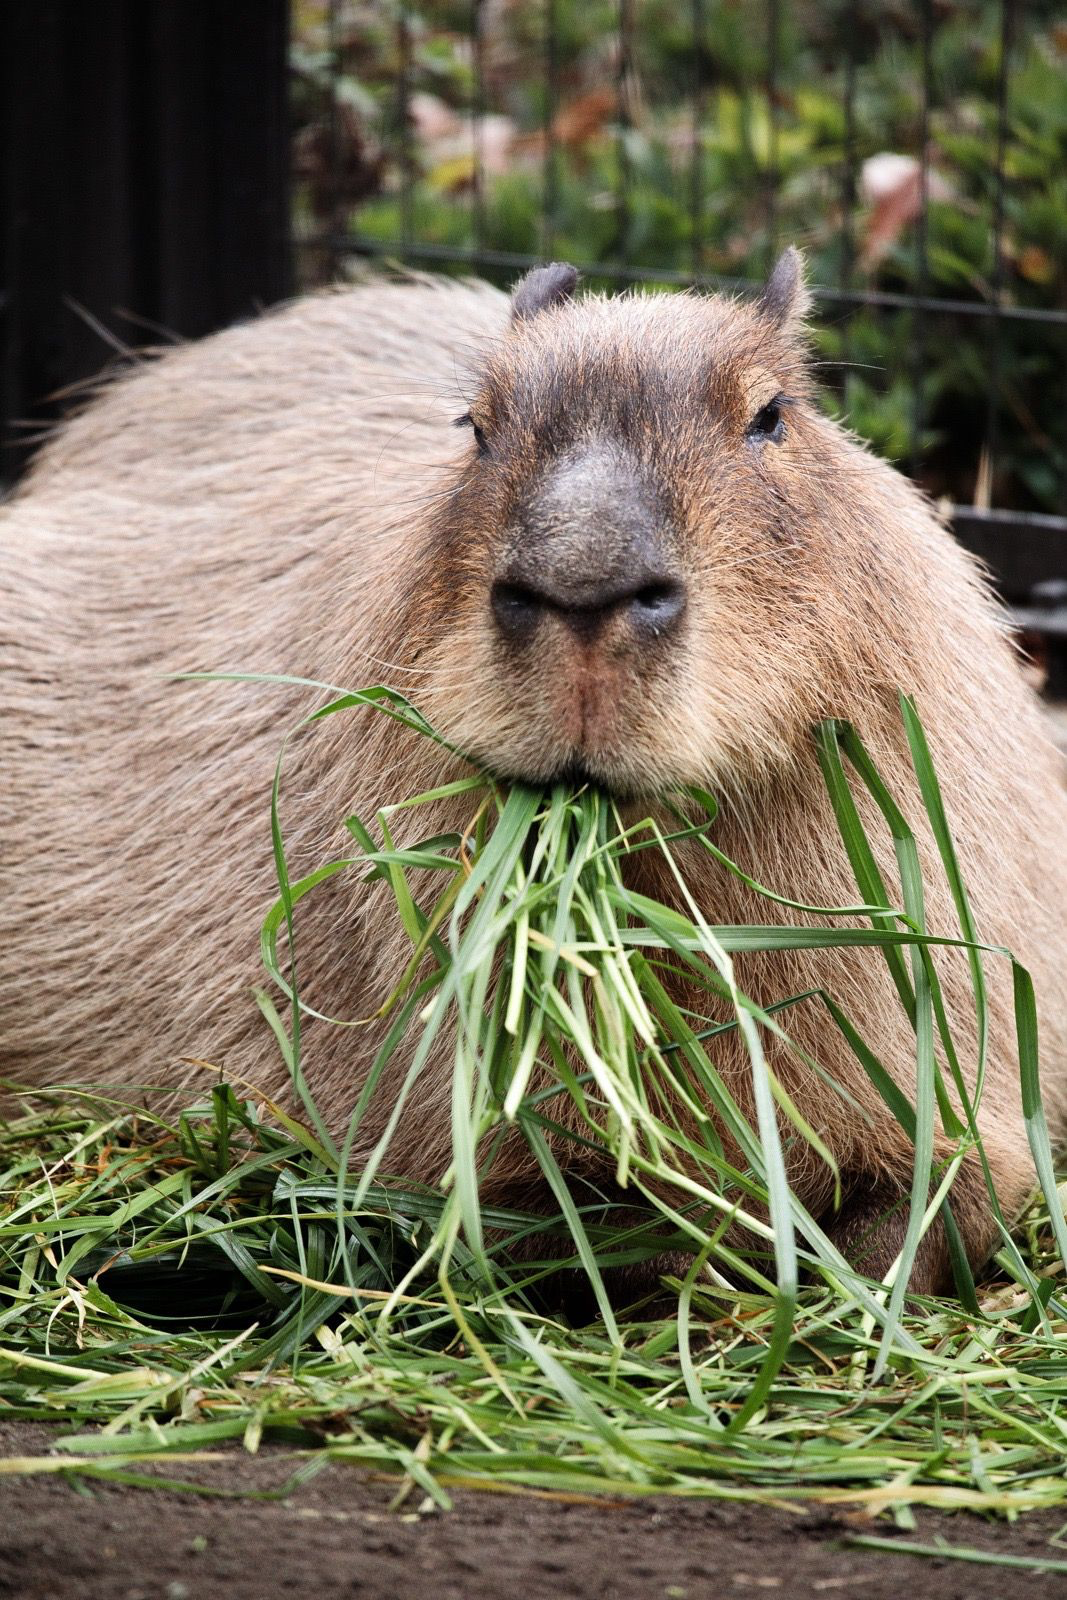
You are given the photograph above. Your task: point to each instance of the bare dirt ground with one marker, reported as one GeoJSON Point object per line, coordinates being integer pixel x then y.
{"type": "Point", "coordinates": [336, 1535]}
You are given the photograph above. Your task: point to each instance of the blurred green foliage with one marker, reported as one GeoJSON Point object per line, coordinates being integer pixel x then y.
{"type": "Point", "coordinates": [706, 145]}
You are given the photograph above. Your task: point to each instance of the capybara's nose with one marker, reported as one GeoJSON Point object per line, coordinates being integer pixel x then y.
{"type": "Point", "coordinates": [591, 543]}
{"type": "Point", "coordinates": [651, 604]}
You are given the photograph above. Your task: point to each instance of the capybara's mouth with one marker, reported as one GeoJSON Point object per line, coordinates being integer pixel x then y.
{"type": "Point", "coordinates": [578, 730]}
{"type": "Point", "coordinates": [578, 771]}
{"type": "Point", "coordinates": [574, 773]}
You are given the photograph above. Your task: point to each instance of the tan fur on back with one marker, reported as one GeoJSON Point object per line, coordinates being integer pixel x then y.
{"type": "Point", "coordinates": [288, 497]}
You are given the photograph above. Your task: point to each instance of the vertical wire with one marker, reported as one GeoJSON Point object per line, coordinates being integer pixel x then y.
{"type": "Point", "coordinates": [336, 219]}
{"type": "Point", "coordinates": [407, 165]}
{"type": "Point", "coordinates": [696, 166]}
{"type": "Point", "coordinates": [551, 75]}
{"type": "Point", "coordinates": [772, 112]}
{"type": "Point", "coordinates": [477, 128]}
{"type": "Point", "coordinates": [995, 365]}
{"type": "Point", "coordinates": [918, 319]}
{"type": "Point", "coordinates": [848, 188]}
{"type": "Point", "coordinates": [622, 150]}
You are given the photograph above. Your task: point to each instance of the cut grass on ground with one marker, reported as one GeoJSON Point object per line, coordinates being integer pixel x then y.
{"type": "Point", "coordinates": [234, 1340]}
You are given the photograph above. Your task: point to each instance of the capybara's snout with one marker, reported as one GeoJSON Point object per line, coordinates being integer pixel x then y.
{"type": "Point", "coordinates": [590, 551]}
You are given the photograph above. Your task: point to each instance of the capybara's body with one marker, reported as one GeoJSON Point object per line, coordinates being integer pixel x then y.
{"type": "Point", "coordinates": [649, 559]}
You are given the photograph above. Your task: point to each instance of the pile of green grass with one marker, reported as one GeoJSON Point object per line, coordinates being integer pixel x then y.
{"type": "Point", "coordinates": [171, 1282]}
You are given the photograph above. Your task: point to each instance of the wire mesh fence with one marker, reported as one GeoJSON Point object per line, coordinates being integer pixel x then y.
{"type": "Point", "coordinates": [916, 149]}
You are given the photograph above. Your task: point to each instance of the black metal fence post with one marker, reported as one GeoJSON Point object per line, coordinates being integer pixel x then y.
{"type": "Point", "coordinates": [144, 184]}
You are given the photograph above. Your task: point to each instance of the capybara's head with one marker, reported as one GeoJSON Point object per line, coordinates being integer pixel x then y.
{"type": "Point", "coordinates": [635, 562]}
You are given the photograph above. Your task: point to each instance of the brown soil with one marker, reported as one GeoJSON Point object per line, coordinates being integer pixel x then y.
{"type": "Point", "coordinates": [337, 1536]}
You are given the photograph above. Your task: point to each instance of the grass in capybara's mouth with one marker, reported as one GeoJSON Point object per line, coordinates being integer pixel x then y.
{"type": "Point", "coordinates": [229, 1272]}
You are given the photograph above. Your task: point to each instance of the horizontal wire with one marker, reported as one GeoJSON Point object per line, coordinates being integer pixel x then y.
{"type": "Point", "coordinates": [357, 245]}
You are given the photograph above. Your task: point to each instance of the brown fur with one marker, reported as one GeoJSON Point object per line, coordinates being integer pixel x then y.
{"type": "Point", "coordinates": [289, 497]}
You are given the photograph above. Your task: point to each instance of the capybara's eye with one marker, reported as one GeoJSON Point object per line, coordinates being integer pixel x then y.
{"type": "Point", "coordinates": [467, 421]}
{"type": "Point", "coordinates": [768, 422]}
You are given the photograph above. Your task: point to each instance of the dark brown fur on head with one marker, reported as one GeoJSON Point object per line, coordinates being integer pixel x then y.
{"type": "Point", "coordinates": [704, 406]}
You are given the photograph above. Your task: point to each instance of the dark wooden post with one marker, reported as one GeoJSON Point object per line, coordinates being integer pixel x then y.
{"type": "Point", "coordinates": [144, 158]}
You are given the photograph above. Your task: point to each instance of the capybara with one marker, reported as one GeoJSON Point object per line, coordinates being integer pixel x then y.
{"type": "Point", "coordinates": [646, 557]}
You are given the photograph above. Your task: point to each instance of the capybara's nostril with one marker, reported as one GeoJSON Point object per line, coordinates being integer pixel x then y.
{"type": "Point", "coordinates": [657, 607]}
{"type": "Point", "coordinates": [517, 609]}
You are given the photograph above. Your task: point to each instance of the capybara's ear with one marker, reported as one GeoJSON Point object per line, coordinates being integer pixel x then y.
{"type": "Point", "coordinates": [543, 287]}
{"type": "Point", "coordinates": [785, 298]}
